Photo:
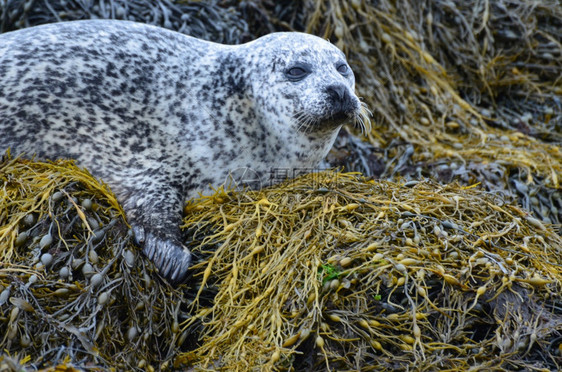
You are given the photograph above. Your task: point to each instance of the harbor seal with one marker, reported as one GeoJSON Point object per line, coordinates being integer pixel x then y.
{"type": "Point", "coordinates": [160, 116]}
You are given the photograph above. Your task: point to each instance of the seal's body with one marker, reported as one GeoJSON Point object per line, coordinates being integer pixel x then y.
{"type": "Point", "coordinates": [160, 116]}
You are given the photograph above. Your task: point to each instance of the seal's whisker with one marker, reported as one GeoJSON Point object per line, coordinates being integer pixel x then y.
{"type": "Point", "coordinates": [363, 118]}
{"type": "Point", "coordinates": [308, 123]}
{"type": "Point", "coordinates": [365, 108]}
{"type": "Point", "coordinates": [305, 121]}
{"type": "Point", "coordinates": [299, 116]}
{"type": "Point", "coordinates": [361, 124]}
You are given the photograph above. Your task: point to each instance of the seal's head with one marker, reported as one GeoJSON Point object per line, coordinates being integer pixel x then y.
{"type": "Point", "coordinates": [306, 84]}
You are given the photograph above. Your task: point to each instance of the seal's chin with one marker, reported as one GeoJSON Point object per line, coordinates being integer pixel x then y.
{"type": "Point", "coordinates": [340, 118]}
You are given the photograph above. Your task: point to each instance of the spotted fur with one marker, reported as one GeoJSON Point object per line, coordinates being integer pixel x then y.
{"type": "Point", "coordinates": [160, 116]}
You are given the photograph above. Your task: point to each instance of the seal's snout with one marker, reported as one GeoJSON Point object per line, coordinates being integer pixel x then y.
{"type": "Point", "coordinates": [341, 101]}
{"type": "Point", "coordinates": [337, 92]}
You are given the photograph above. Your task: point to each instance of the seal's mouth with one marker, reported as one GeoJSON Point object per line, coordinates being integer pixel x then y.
{"type": "Point", "coordinates": [337, 118]}
{"type": "Point", "coordinates": [359, 116]}
{"type": "Point", "coordinates": [308, 123]}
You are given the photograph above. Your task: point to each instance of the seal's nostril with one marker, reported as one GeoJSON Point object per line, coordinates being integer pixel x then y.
{"type": "Point", "coordinates": [337, 92]}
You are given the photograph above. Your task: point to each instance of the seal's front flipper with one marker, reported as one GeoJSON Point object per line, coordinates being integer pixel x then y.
{"type": "Point", "coordinates": [154, 210]}
{"type": "Point", "coordinates": [170, 256]}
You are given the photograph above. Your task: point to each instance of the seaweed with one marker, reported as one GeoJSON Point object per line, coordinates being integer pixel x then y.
{"type": "Point", "coordinates": [445, 250]}
{"type": "Point", "coordinates": [329, 271]}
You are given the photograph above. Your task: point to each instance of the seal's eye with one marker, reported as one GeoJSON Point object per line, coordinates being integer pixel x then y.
{"type": "Point", "coordinates": [297, 72]}
{"type": "Point", "coordinates": [343, 69]}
